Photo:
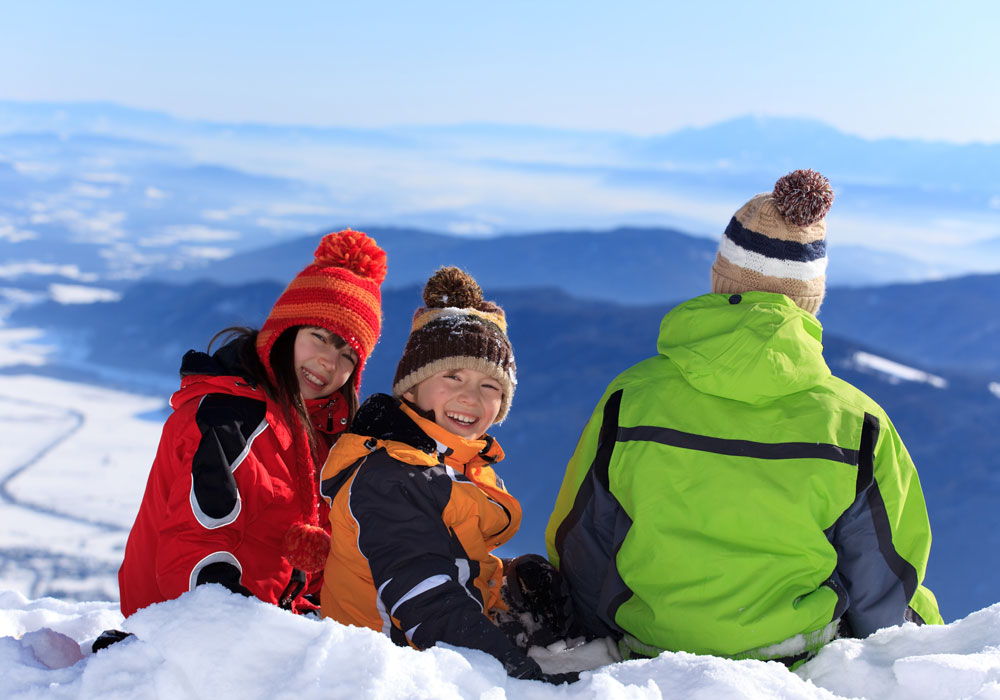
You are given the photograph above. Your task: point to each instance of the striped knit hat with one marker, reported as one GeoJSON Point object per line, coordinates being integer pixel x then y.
{"type": "Point", "coordinates": [339, 291]}
{"type": "Point", "coordinates": [777, 242]}
{"type": "Point", "coordinates": [456, 329]}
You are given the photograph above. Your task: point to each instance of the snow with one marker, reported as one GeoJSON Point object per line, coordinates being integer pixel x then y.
{"type": "Point", "coordinates": [211, 643]}
{"type": "Point", "coordinates": [70, 483]}
{"type": "Point", "coordinates": [18, 346]}
{"type": "Point", "coordinates": [896, 371]}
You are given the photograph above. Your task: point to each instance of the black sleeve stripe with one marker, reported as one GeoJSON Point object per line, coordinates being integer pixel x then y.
{"type": "Point", "coordinates": [228, 425]}
{"type": "Point", "coordinates": [878, 581]}
{"type": "Point", "coordinates": [599, 468]}
{"type": "Point", "coordinates": [593, 531]}
{"type": "Point", "coordinates": [903, 569]}
{"type": "Point", "coordinates": [606, 441]}
{"type": "Point", "coordinates": [866, 453]}
{"type": "Point", "coordinates": [739, 448]}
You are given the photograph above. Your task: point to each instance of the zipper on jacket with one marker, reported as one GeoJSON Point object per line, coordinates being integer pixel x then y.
{"type": "Point", "coordinates": [329, 415]}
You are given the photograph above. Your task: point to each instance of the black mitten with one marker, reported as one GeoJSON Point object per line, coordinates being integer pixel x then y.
{"type": "Point", "coordinates": [529, 670]}
{"type": "Point", "coordinates": [107, 638]}
{"type": "Point", "coordinates": [540, 608]}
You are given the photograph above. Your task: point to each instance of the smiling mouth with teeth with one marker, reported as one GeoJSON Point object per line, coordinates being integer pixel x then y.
{"type": "Point", "coordinates": [464, 420]}
{"type": "Point", "coordinates": [318, 381]}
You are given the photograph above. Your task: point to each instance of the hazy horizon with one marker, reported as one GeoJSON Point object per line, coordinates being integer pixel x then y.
{"type": "Point", "coordinates": [639, 68]}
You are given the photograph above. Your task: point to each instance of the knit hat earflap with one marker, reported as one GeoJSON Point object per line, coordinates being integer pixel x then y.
{"type": "Point", "coordinates": [777, 242]}
{"type": "Point", "coordinates": [457, 329]}
{"type": "Point", "coordinates": [338, 291]}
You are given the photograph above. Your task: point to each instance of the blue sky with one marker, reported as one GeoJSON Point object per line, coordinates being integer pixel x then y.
{"type": "Point", "coordinates": [923, 69]}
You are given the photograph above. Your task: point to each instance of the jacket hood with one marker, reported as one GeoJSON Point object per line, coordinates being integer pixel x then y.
{"type": "Point", "coordinates": [751, 347]}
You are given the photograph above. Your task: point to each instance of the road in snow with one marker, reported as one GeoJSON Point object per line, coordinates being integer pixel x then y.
{"type": "Point", "coordinates": [66, 504]}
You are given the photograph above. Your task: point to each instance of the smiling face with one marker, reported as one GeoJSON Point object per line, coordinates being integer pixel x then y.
{"type": "Point", "coordinates": [464, 401]}
{"type": "Point", "coordinates": [323, 362]}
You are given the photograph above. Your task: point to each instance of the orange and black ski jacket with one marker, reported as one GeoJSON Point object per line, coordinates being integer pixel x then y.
{"type": "Point", "coordinates": [415, 512]}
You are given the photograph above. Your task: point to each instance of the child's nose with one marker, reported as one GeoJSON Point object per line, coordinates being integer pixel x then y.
{"type": "Point", "coordinates": [329, 357]}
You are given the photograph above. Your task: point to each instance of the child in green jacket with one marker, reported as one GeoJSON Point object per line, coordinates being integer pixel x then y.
{"type": "Point", "coordinates": [730, 496]}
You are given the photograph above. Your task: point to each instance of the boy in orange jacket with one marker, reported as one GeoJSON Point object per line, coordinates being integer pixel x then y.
{"type": "Point", "coordinates": [416, 507]}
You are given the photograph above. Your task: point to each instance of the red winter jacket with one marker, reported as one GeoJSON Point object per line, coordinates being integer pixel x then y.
{"type": "Point", "coordinates": [221, 492]}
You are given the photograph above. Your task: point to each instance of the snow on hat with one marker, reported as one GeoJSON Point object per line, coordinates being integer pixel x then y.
{"type": "Point", "coordinates": [457, 329]}
{"type": "Point", "coordinates": [776, 242]}
{"type": "Point", "coordinates": [338, 291]}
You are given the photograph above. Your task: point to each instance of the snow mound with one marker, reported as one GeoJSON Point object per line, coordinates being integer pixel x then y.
{"type": "Point", "coordinates": [210, 643]}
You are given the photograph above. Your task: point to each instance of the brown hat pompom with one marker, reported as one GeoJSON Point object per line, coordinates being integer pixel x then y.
{"type": "Point", "coordinates": [452, 287]}
{"type": "Point", "coordinates": [803, 197]}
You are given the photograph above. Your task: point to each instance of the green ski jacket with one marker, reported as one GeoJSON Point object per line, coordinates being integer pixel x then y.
{"type": "Point", "coordinates": [730, 496]}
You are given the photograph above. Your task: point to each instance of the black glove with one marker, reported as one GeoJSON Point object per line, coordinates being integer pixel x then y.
{"type": "Point", "coordinates": [529, 670]}
{"type": "Point", "coordinates": [532, 585]}
{"type": "Point", "coordinates": [107, 638]}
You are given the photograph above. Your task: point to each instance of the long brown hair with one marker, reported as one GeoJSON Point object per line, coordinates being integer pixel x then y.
{"type": "Point", "coordinates": [285, 390]}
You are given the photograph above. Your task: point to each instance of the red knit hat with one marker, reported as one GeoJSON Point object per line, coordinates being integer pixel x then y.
{"type": "Point", "coordinates": [339, 291]}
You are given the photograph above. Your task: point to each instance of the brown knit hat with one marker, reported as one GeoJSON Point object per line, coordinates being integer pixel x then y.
{"type": "Point", "coordinates": [777, 242]}
{"type": "Point", "coordinates": [456, 329]}
{"type": "Point", "coordinates": [339, 291]}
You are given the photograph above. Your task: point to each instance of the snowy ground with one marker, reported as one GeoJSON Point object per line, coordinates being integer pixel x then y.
{"type": "Point", "coordinates": [213, 644]}
{"type": "Point", "coordinates": [73, 464]}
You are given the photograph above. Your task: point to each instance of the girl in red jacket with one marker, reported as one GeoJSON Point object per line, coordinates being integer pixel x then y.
{"type": "Point", "coordinates": [232, 494]}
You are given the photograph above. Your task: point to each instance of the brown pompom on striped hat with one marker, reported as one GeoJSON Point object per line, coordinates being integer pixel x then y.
{"type": "Point", "coordinates": [457, 329]}
{"type": "Point", "coordinates": [776, 242]}
{"type": "Point", "coordinates": [340, 291]}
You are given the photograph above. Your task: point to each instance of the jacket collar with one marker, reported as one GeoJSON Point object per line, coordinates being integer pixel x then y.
{"type": "Point", "coordinates": [386, 418]}
{"type": "Point", "coordinates": [328, 415]}
{"type": "Point", "coordinates": [454, 448]}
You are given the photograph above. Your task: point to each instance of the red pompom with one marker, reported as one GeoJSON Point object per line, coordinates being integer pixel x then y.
{"type": "Point", "coordinates": [803, 197]}
{"type": "Point", "coordinates": [306, 547]}
{"type": "Point", "coordinates": [354, 251]}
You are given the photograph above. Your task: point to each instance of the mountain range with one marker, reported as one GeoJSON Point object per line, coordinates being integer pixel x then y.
{"type": "Point", "coordinates": [627, 264]}
{"type": "Point", "coordinates": [150, 191]}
